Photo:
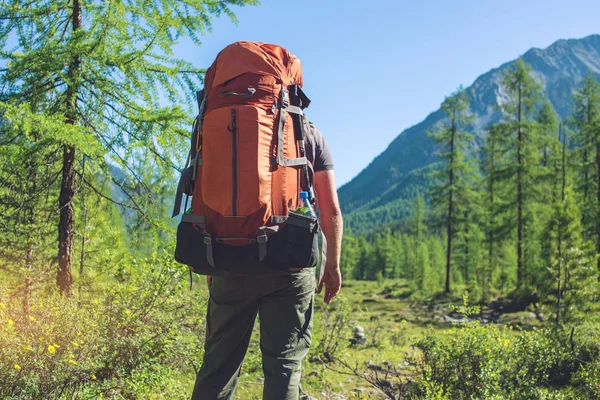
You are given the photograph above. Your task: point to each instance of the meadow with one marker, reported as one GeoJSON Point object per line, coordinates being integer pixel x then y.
{"type": "Point", "coordinates": [142, 337]}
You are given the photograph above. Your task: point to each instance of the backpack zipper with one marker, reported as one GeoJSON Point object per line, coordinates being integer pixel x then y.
{"type": "Point", "coordinates": [234, 163]}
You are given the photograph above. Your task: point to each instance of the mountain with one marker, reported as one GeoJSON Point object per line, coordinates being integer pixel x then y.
{"type": "Point", "coordinates": [384, 191]}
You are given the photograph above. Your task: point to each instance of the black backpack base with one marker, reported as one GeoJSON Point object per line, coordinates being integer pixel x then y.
{"type": "Point", "coordinates": [295, 246]}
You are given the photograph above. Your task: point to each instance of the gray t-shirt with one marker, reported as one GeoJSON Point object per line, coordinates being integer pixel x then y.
{"type": "Point", "coordinates": [317, 151]}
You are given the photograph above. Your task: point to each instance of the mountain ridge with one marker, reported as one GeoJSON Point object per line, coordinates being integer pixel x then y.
{"type": "Point", "coordinates": [392, 176]}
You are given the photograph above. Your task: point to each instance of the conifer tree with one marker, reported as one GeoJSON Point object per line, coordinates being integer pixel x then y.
{"type": "Point", "coordinates": [97, 71]}
{"type": "Point", "coordinates": [453, 179]}
{"type": "Point", "coordinates": [522, 153]}
{"type": "Point", "coordinates": [548, 175]}
{"type": "Point", "coordinates": [571, 260]}
{"type": "Point", "coordinates": [586, 119]}
{"type": "Point", "coordinates": [492, 210]}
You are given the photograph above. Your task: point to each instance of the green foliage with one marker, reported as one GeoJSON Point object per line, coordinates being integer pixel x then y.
{"type": "Point", "coordinates": [334, 330]}
{"type": "Point", "coordinates": [98, 83]}
{"type": "Point", "coordinates": [585, 116]}
{"type": "Point", "coordinates": [116, 344]}
{"type": "Point", "coordinates": [452, 188]}
{"type": "Point", "coordinates": [571, 283]}
{"type": "Point", "coordinates": [489, 362]}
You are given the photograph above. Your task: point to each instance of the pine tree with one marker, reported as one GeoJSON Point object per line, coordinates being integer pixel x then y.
{"type": "Point", "coordinates": [97, 72]}
{"type": "Point", "coordinates": [548, 175]}
{"type": "Point", "coordinates": [418, 218]}
{"type": "Point", "coordinates": [522, 154]}
{"type": "Point", "coordinates": [491, 169]}
{"type": "Point", "coordinates": [571, 261]}
{"type": "Point", "coordinates": [453, 179]}
{"type": "Point", "coordinates": [548, 126]}
{"type": "Point", "coordinates": [586, 119]}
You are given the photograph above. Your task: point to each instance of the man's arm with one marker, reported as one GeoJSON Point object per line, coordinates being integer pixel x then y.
{"type": "Point", "coordinates": [333, 228]}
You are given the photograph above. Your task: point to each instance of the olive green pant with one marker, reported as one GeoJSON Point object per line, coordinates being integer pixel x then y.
{"type": "Point", "coordinates": [284, 304]}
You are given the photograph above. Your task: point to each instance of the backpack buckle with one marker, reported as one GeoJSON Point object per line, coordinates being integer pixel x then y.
{"type": "Point", "coordinates": [285, 98]}
{"type": "Point", "coordinates": [262, 239]}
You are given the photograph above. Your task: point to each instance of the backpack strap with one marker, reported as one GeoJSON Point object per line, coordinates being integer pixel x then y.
{"type": "Point", "coordinates": [299, 101]}
{"type": "Point", "coordinates": [185, 181]}
{"type": "Point", "coordinates": [193, 219]}
{"type": "Point", "coordinates": [262, 240]}
{"type": "Point", "coordinates": [284, 108]}
{"type": "Point", "coordinates": [298, 98]}
{"type": "Point", "coordinates": [180, 190]}
{"type": "Point", "coordinates": [209, 251]}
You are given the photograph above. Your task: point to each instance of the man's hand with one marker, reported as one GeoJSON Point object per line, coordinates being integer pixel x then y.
{"type": "Point", "coordinates": [332, 279]}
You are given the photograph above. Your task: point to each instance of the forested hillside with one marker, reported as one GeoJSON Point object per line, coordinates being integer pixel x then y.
{"type": "Point", "coordinates": [383, 191]}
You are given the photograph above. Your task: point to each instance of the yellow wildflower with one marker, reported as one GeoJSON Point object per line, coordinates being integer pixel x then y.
{"type": "Point", "coordinates": [75, 343]}
{"type": "Point", "coordinates": [10, 322]}
{"type": "Point", "coordinates": [31, 318]}
{"type": "Point", "coordinates": [26, 348]}
{"type": "Point", "coordinates": [506, 342]}
{"type": "Point", "coordinates": [57, 346]}
{"type": "Point", "coordinates": [17, 367]}
{"type": "Point", "coordinates": [2, 305]}
{"type": "Point", "coordinates": [51, 349]}
{"type": "Point", "coordinates": [73, 362]}
{"type": "Point", "coordinates": [93, 377]}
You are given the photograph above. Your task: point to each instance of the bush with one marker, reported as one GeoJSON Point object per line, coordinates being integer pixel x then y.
{"type": "Point", "coordinates": [114, 343]}
{"type": "Point", "coordinates": [332, 332]}
{"type": "Point", "coordinates": [477, 361]}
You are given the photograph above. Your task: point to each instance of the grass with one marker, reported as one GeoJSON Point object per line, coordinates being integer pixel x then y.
{"type": "Point", "coordinates": [391, 319]}
{"type": "Point", "coordinates": [137, 351]}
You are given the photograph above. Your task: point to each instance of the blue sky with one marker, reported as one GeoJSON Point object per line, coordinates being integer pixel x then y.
{"type": "Point", "coordinates": [373, 69]}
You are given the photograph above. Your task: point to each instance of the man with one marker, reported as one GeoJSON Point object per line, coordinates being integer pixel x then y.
{"type": "Point", "coordinates": [283, 302]}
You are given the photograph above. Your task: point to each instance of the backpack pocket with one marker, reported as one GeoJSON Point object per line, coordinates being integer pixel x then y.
{"type": "Point", "coordinates": [237, 173]}
{"type": "Point", "coordinates": [296, 245]}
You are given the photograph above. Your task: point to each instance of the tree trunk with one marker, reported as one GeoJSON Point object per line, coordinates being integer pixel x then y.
{"type": "Point", "coordinates": [491, 225]}
{"type": "Point", "coordinates": [559, 291]}
{"type": "Point", "coordinates": [519, 195]}
{"type": "Point", "coordinates": [450, 208]}
{"type": "Point", "coordinates": [66, 224]}
{"type": "Point", "coordinates": [83, 237]}
{"type": "Point", "coordinates": [598, 202]}
{"type": "Point", "coordinates": [467, 269]}
{"type": "Point", "coordinates": [564, 164]}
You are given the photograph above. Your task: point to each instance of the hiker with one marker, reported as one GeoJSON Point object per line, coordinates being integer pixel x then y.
{"type": "Point", "coordinates": [260, 176]}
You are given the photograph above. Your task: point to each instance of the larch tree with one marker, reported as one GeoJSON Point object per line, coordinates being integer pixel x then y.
{"type": "Point", "coordinates": [522, 152]}
{"type": "Point", "coordinates": [452, 180]}
{"type": "Point", "coordinates": [586, 118]}
{"type": "Point", "coordinates": [104, 74]}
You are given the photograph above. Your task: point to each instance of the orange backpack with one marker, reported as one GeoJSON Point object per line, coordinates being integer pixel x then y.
{"type": "Point", "coordinates": [248, 167]}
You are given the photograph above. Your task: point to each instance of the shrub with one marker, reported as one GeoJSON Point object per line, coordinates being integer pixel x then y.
{"type": "Point", "coordinates": [109, 343]}
{"type": "Point", "coordinates": [477, 361]}
{"type": "Point", "coordinates": [332, 332]}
